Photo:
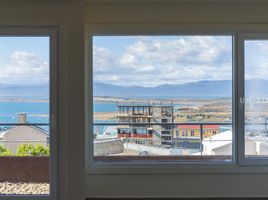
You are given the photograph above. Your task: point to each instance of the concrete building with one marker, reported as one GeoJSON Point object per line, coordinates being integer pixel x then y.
{"type": "Point", "coordinates": [13, 137]}
{"type": "Point", "coordinates": [106, 147]}
{"type": "Point", "coordinates": [157, 135]}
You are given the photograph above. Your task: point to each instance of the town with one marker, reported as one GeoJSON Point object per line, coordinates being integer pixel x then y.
{"type": "Point", "coordinates": [162, 128]}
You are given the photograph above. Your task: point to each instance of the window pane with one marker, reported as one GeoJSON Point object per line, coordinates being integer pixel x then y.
{"type": "Point", "coordinates": [256, 98]}
{"type": "Point", "coordinates": [167, 97]}
{"type": "Point", "coordinates": [24, 115]}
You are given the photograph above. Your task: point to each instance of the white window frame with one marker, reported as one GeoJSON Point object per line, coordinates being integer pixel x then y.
{"type": "Point", "coordinates": [52, 33]}
{"type": "Point", "coordinates": [242, 37]}
{"type": "Point", "coordinates": [169, 167]}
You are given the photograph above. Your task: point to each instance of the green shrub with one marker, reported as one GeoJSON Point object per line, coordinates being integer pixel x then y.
{"type": "Point", "coordinates": [25, 150]}
{"type": "Point", "coordinates": [4, 151]}
{"type": "Point", "coordinates": [40, 150]}
{"type": "Point", "coordinates": [30, 150]}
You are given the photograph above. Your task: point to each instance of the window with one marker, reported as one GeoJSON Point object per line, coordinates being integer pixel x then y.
{"type": "Point", "coordinates": [184, 133]}
{"type": "Point", "coordinates": [185, 80]}
{"type": "Point", "coordinates": [254, 98]}
{"type": "Point", "coordinates": [165, 132]}
{"type": "Point", "coordinates": [27, 137]}
{"type": "Point", "coordinates": [164, 120]}
{"type": "Point", "coordinates": [241, 83]}
{"type": "Point", "coordinates": [192, 133]}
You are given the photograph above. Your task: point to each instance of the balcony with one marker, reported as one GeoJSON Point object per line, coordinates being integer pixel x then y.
{"type": "Point", "coordinates": [213, 147]}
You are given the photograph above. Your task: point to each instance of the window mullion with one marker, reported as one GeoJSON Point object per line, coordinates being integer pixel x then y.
{"type": "Point", "coordinates": [240, 95]}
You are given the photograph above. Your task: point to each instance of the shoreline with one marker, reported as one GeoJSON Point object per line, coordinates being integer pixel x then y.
{"type": "Point", "coordinates": [18, 100]}
{"type": "Point", "coordinates": [111, 99]}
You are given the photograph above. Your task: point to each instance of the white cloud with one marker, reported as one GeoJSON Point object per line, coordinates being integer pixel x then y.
{"type": "Point", "coordinates": [103, 59]}
{"type": "Point", "coordinates": [256, 59]}
{"type": "Point", "coordinates": [152, 61]}
{"type": "Point", "coordinates": [24, 67]}
{"type": "Point", "coordinates": [127, 59]}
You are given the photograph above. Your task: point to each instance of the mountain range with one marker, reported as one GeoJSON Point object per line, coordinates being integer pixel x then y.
{"type": "Point", "coordinates": [219, 88]}
{"type": "Point", "coordinates": [24, 91]}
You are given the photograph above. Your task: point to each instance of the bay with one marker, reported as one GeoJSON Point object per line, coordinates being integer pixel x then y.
{"type": "Point", "coordinates": [37, 112]}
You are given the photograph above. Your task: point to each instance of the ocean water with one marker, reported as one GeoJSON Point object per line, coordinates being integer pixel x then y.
{"type": "Point", "coordinates": [37, 112]}
{"type": "Point", "coordinates": [104, 107]}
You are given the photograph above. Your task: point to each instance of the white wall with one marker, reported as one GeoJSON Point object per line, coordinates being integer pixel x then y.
{"type": "Point", "coordinates": [67, 15]}
{"type": "Point", "coordinates": [175, 184]}
{"type": "Point", "coordinates": [29, 135]}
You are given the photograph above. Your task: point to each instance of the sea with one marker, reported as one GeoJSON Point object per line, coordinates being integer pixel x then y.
{"type": "Point", "coordinates": [38, 112]}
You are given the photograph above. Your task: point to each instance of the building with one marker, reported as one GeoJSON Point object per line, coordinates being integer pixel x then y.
{"type": "Point", "coordinates": [189, 136]}
{"type": "Point", "coordinates": [13, 137]}
{"type": "Point", "coordinates": [157, 135]}
{"type": "Point", "coordinates": [221, 144]}
{"type": "Point", "coordinates": [108, 146]}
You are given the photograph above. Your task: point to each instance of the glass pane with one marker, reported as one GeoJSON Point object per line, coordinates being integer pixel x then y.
{"type": "Point", "coordinates": [256, 98]}
{"type": "Point", "coordinates": [24, 115]}
{"type": "Point", "coordinates": [167, 97]}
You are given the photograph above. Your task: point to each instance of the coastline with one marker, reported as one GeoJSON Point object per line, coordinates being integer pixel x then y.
{"type": "Point", "coordinates": [26, 100]}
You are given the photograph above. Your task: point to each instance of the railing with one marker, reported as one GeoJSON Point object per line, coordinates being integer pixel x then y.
{"type": "Point", "coordinates": [24, 124]}
{"type": "Point", "coordinates": [173, 125]}
{"type": "Point", "coordinates": [203, 137]}
{"type": "Point", "coordinates": [164, 124]}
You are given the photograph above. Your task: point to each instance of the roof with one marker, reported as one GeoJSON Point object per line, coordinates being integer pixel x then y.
{"type": "Point", "coordinates": [33, 127]}
{"type": "Point", "coordinates": [219, 140]}
{"type": "Point", "coordinates": [198, 126]}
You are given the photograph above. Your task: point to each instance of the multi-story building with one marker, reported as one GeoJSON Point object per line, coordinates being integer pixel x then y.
{"type": "Point", "coordinates": [157, 135]}
{"type": "Point", "coordinates": [189, 136]}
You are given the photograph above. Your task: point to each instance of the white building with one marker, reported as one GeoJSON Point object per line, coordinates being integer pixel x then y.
{"type": "Point", "coordinates": [221, 144]}
{"type": "Point", "coordinates": [17, 135]}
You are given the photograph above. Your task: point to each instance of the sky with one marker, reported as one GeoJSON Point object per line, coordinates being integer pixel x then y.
{"type": "Point", "coordinates": [156, 60]}
{"type": "Point", "coordinates": [24, 60]}
{"type": "Point", "coordinates": [137, 60]}
{"type": "Point", "coordinates": [256, 59]}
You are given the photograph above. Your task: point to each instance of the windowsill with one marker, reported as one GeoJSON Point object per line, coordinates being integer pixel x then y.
{"type": "Point", "coordinates": [202, 158]}
{"type": "Point", "coordinates": [173, 167]}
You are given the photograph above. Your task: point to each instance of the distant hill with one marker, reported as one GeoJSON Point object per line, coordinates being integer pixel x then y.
{"type": "Point", "coordinates": [24, 91]}
{"type": "Point", "coordinates": [221, 88]}
{"type": "Point", "coordinates": [201, 88]}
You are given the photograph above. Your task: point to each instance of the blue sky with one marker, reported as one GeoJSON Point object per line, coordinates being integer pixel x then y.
{"type": "Point", "coordinates": [24, 60]}
{"type": "Point", "coordinates": [256, 59]}
{"type": "Point", "coordinates": [137, 60]}
{"type": "Point", "coordinates": [158, 60]}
